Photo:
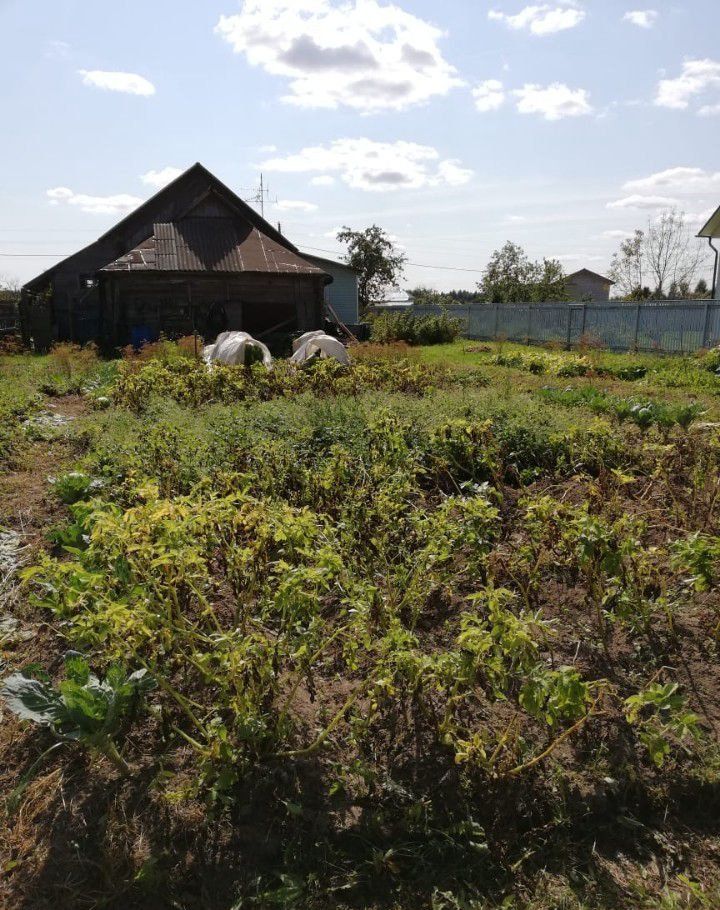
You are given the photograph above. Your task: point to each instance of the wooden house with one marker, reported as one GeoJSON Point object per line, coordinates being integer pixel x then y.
{"type": "Point", "coordinates": [588, 286]}
{"type": "Point", "coordinates": [194, 257]}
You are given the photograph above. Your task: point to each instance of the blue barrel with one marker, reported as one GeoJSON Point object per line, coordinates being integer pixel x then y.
{"type": "Point", "coordinates": [141, 334]}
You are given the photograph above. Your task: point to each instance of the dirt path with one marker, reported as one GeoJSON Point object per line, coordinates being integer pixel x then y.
{"type": "Point", "coordinates": [27, 505]}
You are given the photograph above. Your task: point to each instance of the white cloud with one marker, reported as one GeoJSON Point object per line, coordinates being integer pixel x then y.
{"type": "Point", "coordinates": [553, 102]}
{"type": "Point", "coordinates": [295, 205]}
{"type": "Point", "coordinates": [130, 83]}
{"type": "Point", "coordinates": [696, 78]}
{"type": "Point", "coordinates": [323, 180]}
{"type": "Point", "coordinates": [375, 166]}
{"type": "Point", "coordinates": [57, 50]}
{"type": "Point", "coordinates": [267, 149]}
{"type": "Point", "coordinates": [643, 18]}
{"type": "Point", "coordinates": [699, 218]}
{"type": "Point", "coordinates": [451, 172]}
{"type": "Point", "coordinates": [709, 110]}
{"type": "Point", "coordinates": [578, 257]}
{"type": "Point", "coordinates": [120, 204]}
{"type": "Point", "coordinates": [636, 201]}
{"type": "Point", "coordinates": [489, 95]}
{"type": "Point", "coordinates": [542, 19]}
{"type": "Point", "coordinates": [680, 179]}
{"type": "Point", "coordinates": [362, 54]}
{"type": "Point", "coordinates": [161, 178]}
{"type": "Point", "coordinates": [617, 235]}
{"type": "Point", "coordinates": [332, 234]}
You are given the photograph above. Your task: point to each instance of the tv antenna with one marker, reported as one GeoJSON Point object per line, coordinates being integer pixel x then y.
{"type": "Point", "coordinates": [261, 196]}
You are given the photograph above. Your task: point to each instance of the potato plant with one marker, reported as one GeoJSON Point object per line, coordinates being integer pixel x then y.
{"type": "Point", "coordinates": [409, 624]}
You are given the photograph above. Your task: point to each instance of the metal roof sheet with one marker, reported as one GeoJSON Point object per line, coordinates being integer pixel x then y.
{"type": "Point", "coordinates": [712, 228]}
{"type": "Point", "coordinates": [591, 273]}
{"type": "Point", "coordinates": [211, 244]}
{"type": "Point", "coordinates": [331, 262]}
{"type": "Point", "coordinates": [141, 259]}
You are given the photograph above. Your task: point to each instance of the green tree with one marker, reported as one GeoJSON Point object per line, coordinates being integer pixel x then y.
{"type": "Point", "coordinates": [511, 276]}
{"type": "Point", "coordinates": [379, 264]}
{"type": "Point", "coordinates": [424, 295]}
{"type": "Point", "coordinates": [701, 289]}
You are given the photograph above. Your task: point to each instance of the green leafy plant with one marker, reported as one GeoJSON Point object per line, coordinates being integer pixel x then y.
{"type": "Point", "coordinates": [700, 555]}
{"type": "Point", "coordinates": [389, 328]}
{"type": "Point", "coordinates": [74, 486]}
{"type": "Point", "coordinates": [661, 717]}
{"type": "Point", "coordinates": [82, 708]}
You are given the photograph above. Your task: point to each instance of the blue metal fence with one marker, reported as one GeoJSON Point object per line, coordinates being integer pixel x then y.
{"type": "Point", "coordinates": [673, 326]}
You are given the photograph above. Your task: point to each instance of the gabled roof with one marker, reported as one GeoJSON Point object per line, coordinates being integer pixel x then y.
{"type": "Point", "coordinates": [592, 275]}
{"type": "Point", "coordinates": [135, 233]}
{"type": "Point", "coordinates": [712, 228]}
{"type": "Point", "coordinates": [331, 262]}
{"type": "Point", "coordinates": [211, 244]}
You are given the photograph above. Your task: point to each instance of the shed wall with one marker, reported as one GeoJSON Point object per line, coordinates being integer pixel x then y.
{"type": "Point", "coordinates": [585, 285]}
{"type": "Point", "coordinates": [342, 294]}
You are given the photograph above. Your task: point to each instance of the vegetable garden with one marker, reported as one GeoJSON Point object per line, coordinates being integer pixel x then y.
{"type": "Point", "coordinates": [437, 630]}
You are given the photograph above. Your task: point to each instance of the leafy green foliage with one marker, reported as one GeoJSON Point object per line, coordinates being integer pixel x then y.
{"type": "Point", "coordinates": [644, 413]}
{"type": "Point", "coordinates": [73, 486]}
{"type": "Point", "coordinates": [192, 383]}
{"type": "Point", "coordinates": [378, 263]}
{"type": "Point", "coordinates": [711, 360]}
{"type": "Point", "coordinates": [390, 600]}
{"type": "Point", "coordinates": [700, 555]}
{"type": "Point", "coordinates": [511, 277]}
{"type": "Point", "coordinates": [412, 329]}
{"type": "Point", "coordinates": [83, 708]}
{"type": "Point", "coordinates": [660, 714]}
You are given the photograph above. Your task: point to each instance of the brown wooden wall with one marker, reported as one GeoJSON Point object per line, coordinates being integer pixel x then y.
{"type": "Point", "coordinates": [133, 304]}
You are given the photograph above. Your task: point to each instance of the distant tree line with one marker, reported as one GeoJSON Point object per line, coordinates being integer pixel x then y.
{"type": "Point", "coordinates": [509, 277]}
{"type": "Point", "coordinates": [661, 262]}
{"type": "Point", "coordinates": [9, 295]}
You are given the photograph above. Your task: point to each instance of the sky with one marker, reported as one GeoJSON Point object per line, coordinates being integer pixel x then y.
{"type": "Point", "coordinates": [455, 126]}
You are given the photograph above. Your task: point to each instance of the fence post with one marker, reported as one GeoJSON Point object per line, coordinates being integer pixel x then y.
{"type": "Point", "coordinates": [706, 325]}
{"type": "Point", "coordinates": [529, 324]}
{"type": "Point", "coordinates": [637, 327]}
{"type": "Point", "coordinates": [497, 320]}
{"type": "Point", "coordinates": [569, 326]}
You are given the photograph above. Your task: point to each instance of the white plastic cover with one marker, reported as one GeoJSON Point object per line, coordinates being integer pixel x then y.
{"type": "Point", "coordinates": [230, 348]}
{"type": "Point", "coordinates": [318, 343]}
{"type": "Point", "coordinates": [299, 342]}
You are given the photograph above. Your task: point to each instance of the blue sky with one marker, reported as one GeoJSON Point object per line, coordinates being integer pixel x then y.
{"type": "Point", "coordinates": [455, 126]}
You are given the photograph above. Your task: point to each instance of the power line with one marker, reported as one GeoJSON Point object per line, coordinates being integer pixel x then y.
{"type": "Point", "coordinates": [315, 249]}
{"type": "Point", "coordinates": [417, 265]}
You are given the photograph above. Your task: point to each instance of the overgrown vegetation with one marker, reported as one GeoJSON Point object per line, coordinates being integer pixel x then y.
{"type": "Point", "coordinates": [413, 330]}
{"type": "Point", "coordinates": [394, 635]}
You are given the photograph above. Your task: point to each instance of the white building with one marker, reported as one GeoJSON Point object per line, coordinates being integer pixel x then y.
{"type": "Point", "coordinates": [342, 294]}
{"type": "Point", "coordinates": [712, 232]}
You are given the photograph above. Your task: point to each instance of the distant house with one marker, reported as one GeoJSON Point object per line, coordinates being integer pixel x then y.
{"type": "Point", "coordinates": [589, 286]}
{"type": "Point", "coordinates": [711, 231]}
{"type": "Point", "coordinates": [342, 294]}
{"type": "Point", "coordinates": [395, 298]}
{"type": "Point", "coordinates": [193, 257]}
